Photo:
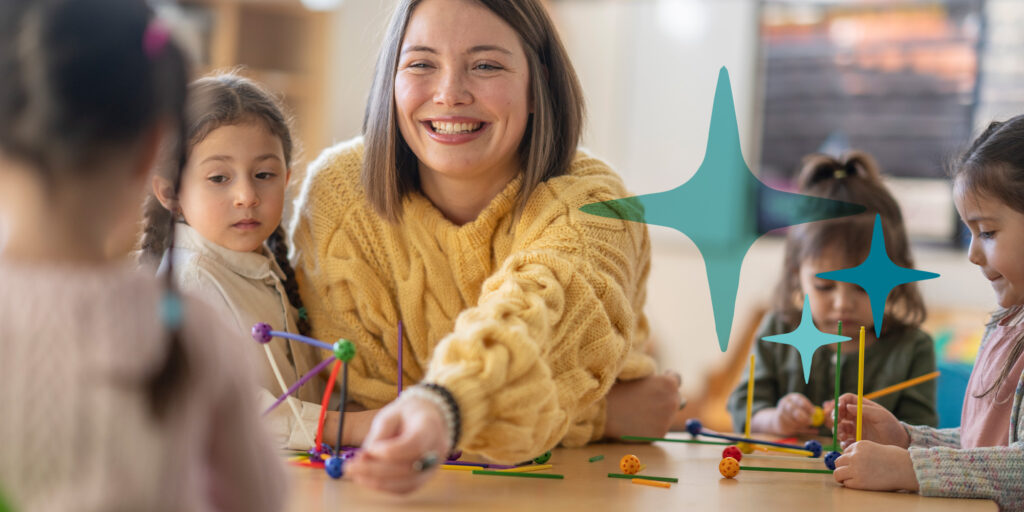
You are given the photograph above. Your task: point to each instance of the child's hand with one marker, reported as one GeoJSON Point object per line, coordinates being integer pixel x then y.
{"type": "Point", "coordinates": [642, 407]}
{"type": "Point", "coordinates": [875, 467]}
{"type": "Point", "coordinates": [402, 433]}
{"type": "Point", "coordinates": [877, 423]}
{"type": "Point", "coordinates": [793, 415]}
{"type": "Point", "coordinates": [828, 408]}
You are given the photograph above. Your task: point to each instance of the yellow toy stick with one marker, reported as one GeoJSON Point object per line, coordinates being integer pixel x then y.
{"type": "Point", "coordinates": [860, 382]}
{"type": "Point", "coordinates": [794, 451]}
{"type": "Point", "coordinates": [902, 385]}
{"type": "Point", "coordinates": [750, 397]}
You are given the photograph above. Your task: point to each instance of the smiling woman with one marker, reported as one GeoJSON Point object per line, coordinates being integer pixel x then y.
{"type": "Point", "coordinates": [459, 216]}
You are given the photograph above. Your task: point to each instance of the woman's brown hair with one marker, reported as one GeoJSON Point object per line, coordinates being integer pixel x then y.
{"type": "Point", "coordinates": [390, 169]}
{"type": "Point", "coordinates": [854, 178]}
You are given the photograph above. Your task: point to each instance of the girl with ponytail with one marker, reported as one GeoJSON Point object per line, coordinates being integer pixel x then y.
{"type": "Point", "coordinates": [783, 402]}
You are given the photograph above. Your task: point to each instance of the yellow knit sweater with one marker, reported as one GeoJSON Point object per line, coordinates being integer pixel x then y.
{"type": "Point", "coordinates": [528, 327]}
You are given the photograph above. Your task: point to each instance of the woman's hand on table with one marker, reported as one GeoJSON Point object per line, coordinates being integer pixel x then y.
{"type": "Point", "coordinates": [642, 407]}
{"type": "Point", "coordinates": [402, 435]}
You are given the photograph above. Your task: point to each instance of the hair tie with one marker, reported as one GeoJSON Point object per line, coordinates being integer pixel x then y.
{"type": "Point", "coordinates": [154, 40]}
{"type": "Point", "coordinates": [839, 174]}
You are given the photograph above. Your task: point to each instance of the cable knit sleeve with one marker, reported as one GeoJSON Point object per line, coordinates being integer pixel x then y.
{"type": "Point", "coordinates": [553, 327]}
{"type": "Point", "coordinates": [528, 325]}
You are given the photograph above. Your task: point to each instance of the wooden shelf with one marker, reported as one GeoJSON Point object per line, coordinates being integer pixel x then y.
{"type": "Point", "coordinates": [279, 43]}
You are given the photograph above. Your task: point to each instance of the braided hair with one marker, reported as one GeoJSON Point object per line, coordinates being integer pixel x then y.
{"type": "Point", "coordinates": [82, 81]}
{"type": "Point", "coordinates": [215, 101]}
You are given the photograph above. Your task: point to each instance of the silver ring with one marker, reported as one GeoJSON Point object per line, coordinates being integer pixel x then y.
{"type": "Point", "coordinates": [428, 461]}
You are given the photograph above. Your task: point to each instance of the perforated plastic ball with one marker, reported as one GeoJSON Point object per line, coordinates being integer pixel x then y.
{"type": "Point", "coordinates": [261, 332]}
{"type": "Point", "coordinates": [729, 467]}
{"type": "Point", "coordinates": [830, 460]}
{"type": "Point", "coordinates": [814, 447]}
{"type": "Point", "coordinates": [630, 464]}
{"type": "Point", "coordinates": [543, 458]}
{"type": "Point", "coordinates": [732, 451]}
{"type": "Point", "coordinates": [817, 417]}
{"type": "Point", "coordinates": [344, 350]}
{"type": "Point", "coordinates": [694, 427]}
{"type": "Point", "coordinates": [333, 466]}
{"type": "Point", "coordinates": [745, 447]}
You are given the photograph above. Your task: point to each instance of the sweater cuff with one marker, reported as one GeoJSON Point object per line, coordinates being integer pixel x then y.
{"type": "Point", "coordinates": [929, 471]}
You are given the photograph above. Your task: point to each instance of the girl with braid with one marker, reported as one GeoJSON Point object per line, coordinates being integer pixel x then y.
{"type": "Point", "coordinates": [230, 247]}
{"type": "Point", "coordinates": [131, 388]}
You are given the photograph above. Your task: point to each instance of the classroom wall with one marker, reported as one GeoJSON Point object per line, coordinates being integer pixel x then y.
{"type": "Point", "coordinates": [648, 69]}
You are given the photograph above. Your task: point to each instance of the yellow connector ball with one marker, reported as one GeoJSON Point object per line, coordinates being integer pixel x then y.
{"type": "Point", "coordinates": [817, 417]}
{"type": "Point", "coordinates": [630, 464]}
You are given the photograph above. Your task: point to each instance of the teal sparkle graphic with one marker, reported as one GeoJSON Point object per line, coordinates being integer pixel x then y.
{"type": "Point", "coordinates": [878, 275]}
{"type": "Point", "coordinates": [716, 208]}
{"type": "Point", "coordinates": [806, 338]}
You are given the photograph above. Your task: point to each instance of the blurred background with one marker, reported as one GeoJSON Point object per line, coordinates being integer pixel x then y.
{"type": "Point", "coordinates": [910, 81]}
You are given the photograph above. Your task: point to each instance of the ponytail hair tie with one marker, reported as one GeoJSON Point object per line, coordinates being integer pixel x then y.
{"type": "Point", "coordinates": [839, 174]}
{"type": "Point", "coordinates": [155, 39]}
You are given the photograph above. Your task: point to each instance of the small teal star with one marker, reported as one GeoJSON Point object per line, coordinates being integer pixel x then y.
{"type": "Point", "coordinates": [878, 275]}
{"type": "Point", "coordinates": [716, 208]}
{"type": "Point", "coordinates": [806, 338]}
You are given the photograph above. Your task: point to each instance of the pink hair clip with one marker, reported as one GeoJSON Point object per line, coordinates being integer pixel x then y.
{"type": "Point", "coordinates": [154, 40]}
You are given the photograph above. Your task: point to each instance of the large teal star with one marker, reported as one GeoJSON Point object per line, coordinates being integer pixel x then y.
{"type": "Point", "coordinates": [878, 275]}
{"type": "Point", "coordinates": [716, 208]}
{"type": "Point", "coordinates": [806, 338]}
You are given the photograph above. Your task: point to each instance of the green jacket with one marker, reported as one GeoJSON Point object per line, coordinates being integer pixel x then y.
{"type": "Point", "coordinates": [898, 355]}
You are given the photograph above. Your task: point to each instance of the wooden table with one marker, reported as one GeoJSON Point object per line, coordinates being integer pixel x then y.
{"type": "Point", "coordinates": [586, 487]}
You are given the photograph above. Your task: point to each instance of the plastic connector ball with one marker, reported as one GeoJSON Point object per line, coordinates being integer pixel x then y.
{"type": "Point", "coordinates": [830, 460]}
{"type": "Point", "coordinates": [813, 447]}
{"type": "Point", "coordinates": [261, 332]}
{"type": "Point", "coordinates": [630, 464]}
{"type": "Point", "coordinates": [333, 466]}
{"type": "Point", "coordinates": [729, 467]}
{"type": "Point", "coordinates": [694, 427]}
{"type": "Point", "coordinates": [732, 451]}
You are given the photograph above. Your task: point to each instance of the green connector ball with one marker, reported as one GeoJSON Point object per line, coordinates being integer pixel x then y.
{"type": "Point", "coordinates": [543, 458]}
{"type": "Point", "coordinates": [344, 350]}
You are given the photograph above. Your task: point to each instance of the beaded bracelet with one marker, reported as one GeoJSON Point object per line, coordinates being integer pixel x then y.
{"type": "Point", "coordinates": [445, 401]}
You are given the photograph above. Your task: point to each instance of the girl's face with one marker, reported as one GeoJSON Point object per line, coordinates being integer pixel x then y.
{"type": "Point", "coordinates": [997, 243]}
{"type": "Point", "coordinates": [832, 301]}
{"type": "Point", "coordinates": [232, 188]}
{"type": "Point", "coordinates": [461, 91]}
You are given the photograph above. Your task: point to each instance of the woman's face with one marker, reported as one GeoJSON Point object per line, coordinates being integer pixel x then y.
{"type": "Point", "coordinates": [462, 91]}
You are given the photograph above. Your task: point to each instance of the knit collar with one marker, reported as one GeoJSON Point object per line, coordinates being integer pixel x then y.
{"type": "Point", "coordinates": [420, 211]}
{"type": "Point", "coordinates": [253, 265]}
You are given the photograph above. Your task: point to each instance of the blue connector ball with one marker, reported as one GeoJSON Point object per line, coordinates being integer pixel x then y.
{"type": "Point", "coordinates": [333, 467]}
{"type": "Point", "coordinates": [694, 427]}
{"type": "Point", "coordinates": [813, 446]}
{"type": "Point", "coordinates": [830, 460]}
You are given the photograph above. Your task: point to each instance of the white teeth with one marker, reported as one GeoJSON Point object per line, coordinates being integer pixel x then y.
{"type": "Point", "coordinates": [447, 128]}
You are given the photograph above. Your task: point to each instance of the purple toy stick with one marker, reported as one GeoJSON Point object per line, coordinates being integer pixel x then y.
{"type": "Point", "coordinates": [400, 343]}
{"type": "Point", "coordinates": [299, 383]}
